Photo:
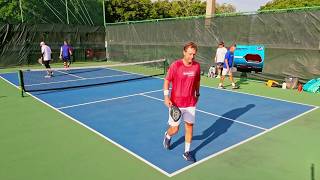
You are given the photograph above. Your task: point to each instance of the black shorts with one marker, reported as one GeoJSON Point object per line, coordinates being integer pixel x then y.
{"type": "Point", "coordinates": [47, 64]}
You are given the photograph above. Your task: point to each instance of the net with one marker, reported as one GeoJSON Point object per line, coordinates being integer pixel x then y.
{"type": "Point", "coordinates": [37, 80]}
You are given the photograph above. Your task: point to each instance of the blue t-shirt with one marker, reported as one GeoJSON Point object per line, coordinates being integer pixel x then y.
{"type": "Point", "coordinates": [66, 51]}
{"type": "Point", "coordinates": [229, 56]}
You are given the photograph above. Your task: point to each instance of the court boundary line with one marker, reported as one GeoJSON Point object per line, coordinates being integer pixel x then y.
{"type": "Point", "coordinates": [73, 80]}
{"type": "Point", "coordinates": [235, 91]}
{"type": "Point", "coordinates": [96, 132]}
{"type": "Point", "coordinates": [238, 144]}
{"type": "Point", "coordinates": [189, 166]}
{"type": "Point", "coordinates": [70, 74]}
{"type": "Point", "coordinates": [109, 99]}
{"type": "Point", "coordinates": [108, 139]}
{"type": "Point", "coordinates": [212, 114]}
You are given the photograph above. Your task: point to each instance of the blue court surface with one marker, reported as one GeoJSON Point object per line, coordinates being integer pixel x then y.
{"type": "Point", "coordinates": [132, 116]}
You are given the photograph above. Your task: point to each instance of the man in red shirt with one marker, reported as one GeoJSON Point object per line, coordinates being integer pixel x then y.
{"type": "Point", "coordinates": [184, 77]}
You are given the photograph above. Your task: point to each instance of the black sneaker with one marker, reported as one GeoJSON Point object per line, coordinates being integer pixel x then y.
{"type": "Point", "coordinates": [188, 156]}
{"type": "Point", "coordinates": [166, 141]}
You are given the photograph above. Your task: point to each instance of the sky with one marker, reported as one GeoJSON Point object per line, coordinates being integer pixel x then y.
{"type": "Point", "coordinates": [245, 5]}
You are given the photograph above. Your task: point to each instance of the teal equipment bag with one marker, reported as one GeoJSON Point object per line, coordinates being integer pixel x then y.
{"type": "Point", "coordinates": [312, 86]}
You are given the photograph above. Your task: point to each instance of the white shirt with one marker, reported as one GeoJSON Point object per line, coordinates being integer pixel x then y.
{"type": "Point", "coordinates": [46, 52]}
{"type": "Point", "coordinates": [220, 54]}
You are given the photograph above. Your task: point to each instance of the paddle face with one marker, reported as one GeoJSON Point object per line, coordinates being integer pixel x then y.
{"type": "Point", "coordinates": [40, 61]}
{"type": "Point", "coordinates": [175, 113]}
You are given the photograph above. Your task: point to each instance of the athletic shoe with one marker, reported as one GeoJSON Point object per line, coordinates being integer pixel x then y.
{"type": "Point", "coordinates": [221, 87]}
{"type": "Point", "coordinates": [235, 87]}
{"type": "Point", "coordinates": [47, 76]}
{"type": "Point", "coordinates": [188, 156]}
{"type": "Point", "coordinates": [218, 77]}
{"type": "Point", "coordinates": [166, 141]}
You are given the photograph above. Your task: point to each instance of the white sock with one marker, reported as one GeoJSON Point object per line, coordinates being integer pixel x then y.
{"type": "Point", "coordinates": [187, 147]}
{"type": "Point", "coordinates": [220, 84]}
{"type": "Point", "coordinates": [169, 137]}
{"type": "Point", "coordinates": [233, 84]}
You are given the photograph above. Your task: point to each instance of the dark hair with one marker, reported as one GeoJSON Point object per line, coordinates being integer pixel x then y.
{"type": "Point", "coordinates": [221, 43]}
{"type": "Point", "coordinates": [190, 45]}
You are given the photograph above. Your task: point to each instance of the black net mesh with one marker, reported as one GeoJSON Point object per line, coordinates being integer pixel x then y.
{"type": "Point", "coordinates": [66, 78]}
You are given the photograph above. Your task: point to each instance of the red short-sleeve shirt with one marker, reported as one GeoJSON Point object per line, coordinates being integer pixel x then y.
{"type": "Point", "coordinates": [184, 80]}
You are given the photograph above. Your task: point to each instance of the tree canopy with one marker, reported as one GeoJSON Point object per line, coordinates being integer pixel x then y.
{"type": "Point", "coordinates": [285, 4]}
{"type": "Point", "coordinates": [133, 10]}
{"type": "Point", "coordinates": [52, 11]}
{"type": "Point", "coordinates": [90, 12]}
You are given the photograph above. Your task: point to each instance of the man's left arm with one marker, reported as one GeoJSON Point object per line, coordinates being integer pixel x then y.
{"type": "Point", "coordinates": [60, 56]}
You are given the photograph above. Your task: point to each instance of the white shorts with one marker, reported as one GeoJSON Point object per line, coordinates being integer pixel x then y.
{"type": "Point", "coordinates": [226, 72]}
{"type": "Point", "coordinates": [187, 114]}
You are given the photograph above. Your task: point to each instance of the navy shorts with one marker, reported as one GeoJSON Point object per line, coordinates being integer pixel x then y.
{"type": "Point", "coordinates": [66, 59]}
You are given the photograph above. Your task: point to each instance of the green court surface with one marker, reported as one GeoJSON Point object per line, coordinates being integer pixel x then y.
{"type": "Point", "coordinates": [38, 143]}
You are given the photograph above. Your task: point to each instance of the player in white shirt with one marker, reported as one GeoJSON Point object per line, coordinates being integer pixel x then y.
{"type": "Point", "coordinates": [46, 57]}
{"type": "Point", "coordinates": [219, 58]}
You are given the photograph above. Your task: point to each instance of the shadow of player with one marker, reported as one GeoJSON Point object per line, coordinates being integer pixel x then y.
{"type": "Point", "coordinates": [218, 128]}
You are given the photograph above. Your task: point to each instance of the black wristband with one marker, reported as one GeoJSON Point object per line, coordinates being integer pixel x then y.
{"type": "Point", "coordinates": [197, 95]}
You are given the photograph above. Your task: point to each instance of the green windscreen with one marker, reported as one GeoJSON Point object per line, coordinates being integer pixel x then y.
{"type": "Point", "coordinates": [291, 40]}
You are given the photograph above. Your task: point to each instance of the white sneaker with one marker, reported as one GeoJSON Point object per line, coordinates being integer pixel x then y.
{"type": "Point", "coordinates": [218, 77]}
{"type": "Point", "coordinates": [47, 76]}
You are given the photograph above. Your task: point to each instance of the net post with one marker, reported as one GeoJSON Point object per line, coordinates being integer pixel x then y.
{"type": "Point", "coordinates": [312, 172]}
{"type": "Point", "coordinates": [21, 82]}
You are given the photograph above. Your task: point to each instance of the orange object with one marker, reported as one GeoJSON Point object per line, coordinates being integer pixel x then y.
{"type": "Point", "coordinates": [300, 87]}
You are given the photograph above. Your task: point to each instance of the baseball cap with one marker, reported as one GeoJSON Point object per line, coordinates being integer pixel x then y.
{"type": "Point", "coordinates": [42, 43]}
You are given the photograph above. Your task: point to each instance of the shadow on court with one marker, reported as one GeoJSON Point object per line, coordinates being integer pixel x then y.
{"type": "Point", "coordinates": [218, 128]}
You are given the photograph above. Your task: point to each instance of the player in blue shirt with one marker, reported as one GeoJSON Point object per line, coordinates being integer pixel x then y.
{"type": "Point", "coordinates": [227, 68]}
{"type": "Point", "coordinates": [65, 54]}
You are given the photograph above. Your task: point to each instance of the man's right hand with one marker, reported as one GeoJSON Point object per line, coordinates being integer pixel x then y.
{"type": "Point", "coordinates": [167, 101]}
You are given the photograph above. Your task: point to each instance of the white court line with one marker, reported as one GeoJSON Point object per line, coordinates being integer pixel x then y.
{"type": "Point", "coordinates": [109, 99]}
{"type": "Point", "coordinates": [235, 145]}
{"type": "Point", "coordinates": [70, 74]}
{"type": "Point", "coordinates": [240, 122]}
{"type": "Point", "coordinates": [240, 143]}
{"type": "Point", "coordinates": [235, 91]}
{"type": "Point", "coordinates": [100, 77]}
{"type": "Point", "coordinates": [96, 132]}
{"type": "Point", "coordinates": [247, 124]}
